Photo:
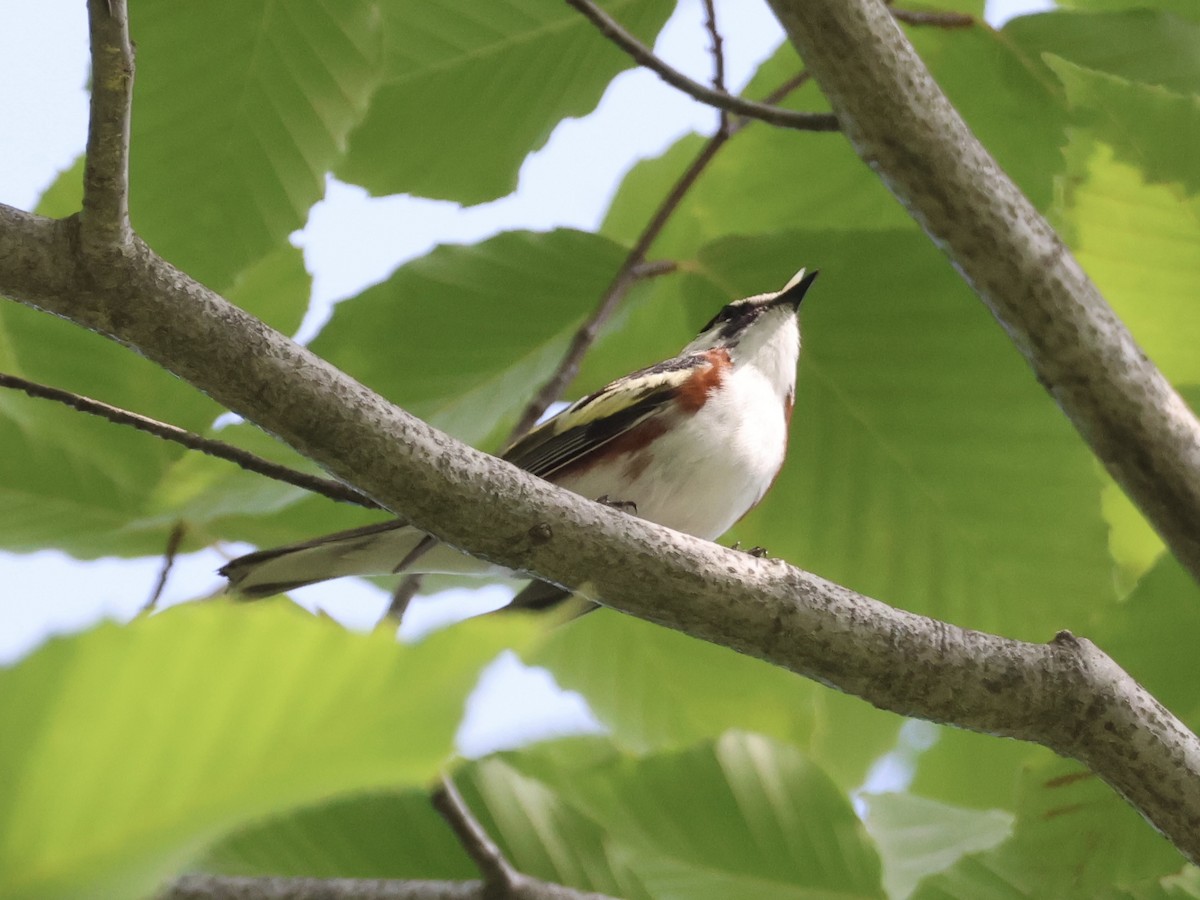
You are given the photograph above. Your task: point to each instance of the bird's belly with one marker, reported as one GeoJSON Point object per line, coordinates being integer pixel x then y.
{"type": "Point", "coordinates": [704, 473]}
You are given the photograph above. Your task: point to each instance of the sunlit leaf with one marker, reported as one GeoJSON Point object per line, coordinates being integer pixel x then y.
{"type": "Point", "coordinates": [1073, 837]}
{"type": "Point", "coordinates": [1138, 241]}
{"type": "Point", "coordinates": [656, 688]}
{"type": "Point", "coordinates": [88, 486]}
{"type": "Point", "coordinates": [1180, 9]}
{"type": "Point", "coordinates": [918, 837]}
{"type": "Point", "coordinates": [389, 834]}
{"type": "Point", "coordinates": [966, 768]}
{"type": "Point", "coordinates": [128, 747]}
{"type": "Point", "coordinates": [769, 817]}
{"type": "Point", "coordinates": [463, 336]}
{"type": "Point", "coordinates": [470, 89]}
{"type": "Point", "coordinates": [230, 147]}
{"type": "Point", "coordinates": [1149, 127]}
{"type": "Point", "coordinates": [1151, 634]}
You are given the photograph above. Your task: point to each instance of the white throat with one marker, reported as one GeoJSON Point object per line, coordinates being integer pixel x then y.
{"type": "Point", "coordinates": [772, 347]}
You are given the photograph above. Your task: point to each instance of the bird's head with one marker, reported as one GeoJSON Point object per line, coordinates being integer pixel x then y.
{"type": "Point", "coordinates": [759, 330]}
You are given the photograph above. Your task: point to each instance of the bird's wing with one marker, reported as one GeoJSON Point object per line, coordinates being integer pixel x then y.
{"type": "Point", "coordinates": [600, 418]}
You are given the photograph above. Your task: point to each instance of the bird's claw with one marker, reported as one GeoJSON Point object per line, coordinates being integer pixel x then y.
{"type": "Point", "coordinates": [625, 506]}
{"type": "Point", "coordinates": [756, 552]}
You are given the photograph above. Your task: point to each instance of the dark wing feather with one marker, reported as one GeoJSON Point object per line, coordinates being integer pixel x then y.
{"type": "Point", "coordinates": [600, 418]}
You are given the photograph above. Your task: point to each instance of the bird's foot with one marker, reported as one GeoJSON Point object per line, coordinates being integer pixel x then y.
{"type": "Point", "coordinates": [756, 552]}
{"type": "Point", "coordinates": [625, 506]}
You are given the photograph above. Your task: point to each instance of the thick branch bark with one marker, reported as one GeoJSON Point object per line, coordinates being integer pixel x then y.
{"type": "Point", "coordinates": [1066, 695]}
{"type": "Point", "coordinates": [903, 126]}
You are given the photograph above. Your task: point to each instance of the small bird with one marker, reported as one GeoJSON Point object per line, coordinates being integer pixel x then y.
{"type": "Point", "coordinates": [692, 443]}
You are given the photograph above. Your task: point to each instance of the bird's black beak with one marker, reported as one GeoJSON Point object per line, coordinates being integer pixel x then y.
{"type": "Point", "coordinates": [795, 290]}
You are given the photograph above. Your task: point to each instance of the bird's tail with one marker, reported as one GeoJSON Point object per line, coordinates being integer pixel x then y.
{"type": "Point", "coordinates": [381, 549]}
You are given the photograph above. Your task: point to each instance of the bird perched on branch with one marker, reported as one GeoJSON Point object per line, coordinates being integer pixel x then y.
{"type": "Point", "coordinates": [692, 443]}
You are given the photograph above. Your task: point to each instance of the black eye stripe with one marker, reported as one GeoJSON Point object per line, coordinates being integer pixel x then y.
{"type": "Point", "coordinates": [736, 315]}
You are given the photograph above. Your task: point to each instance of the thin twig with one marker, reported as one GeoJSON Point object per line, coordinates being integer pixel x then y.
{"type": "Point", "coordinates": [104, 222]}
{"type": "Point", "coordinates": [501, 880]}
{"type": "Point", "coordinates": [326, 487]}
{"type": "Point", "coordinates": [785, 118]}
{"type": "Point", "coordinates": [635, 267]}
{"type": "Point", "coordinates": [174, 539]}
{"type": "Point", "coordinates": [402, 596]}
{"type": "Point", "coordinates": [497, 871]}
{"type": "Point", "coordinates": [718, 46]}
{"type": "Point", "coordinates": [935, 19]}
{"type": "Point", "coordinates": [718, 54]}
{"type": "Point", "coordinates": [629, 274]}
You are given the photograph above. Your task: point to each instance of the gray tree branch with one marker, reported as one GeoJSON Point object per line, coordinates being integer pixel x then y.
{"type": "Point", "coordinates": [905, 129]}
{"type": "Point", "coordinates": [105, 216]}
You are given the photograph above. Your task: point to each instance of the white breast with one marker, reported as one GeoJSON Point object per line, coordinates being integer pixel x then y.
{"type": "Point", "coordinates": [709, 468]}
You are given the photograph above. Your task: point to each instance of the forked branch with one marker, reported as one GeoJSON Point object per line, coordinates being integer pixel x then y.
{"type": "Point", "coordinates": [785, 118]}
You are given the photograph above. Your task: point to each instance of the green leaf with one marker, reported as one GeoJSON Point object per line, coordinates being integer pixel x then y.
{"type": "Point", "coordinates": [1151, 636]}
{"type": "Point", "coordinates": [1133, 542]}
{"type": "Point", "coordinates": [240, 109]}
{"type": "Point", "coordinates": [1184, 8]}
{"type": "Point", "coordinates": [541, 833]}
{"type": "Point", "coordinates": [769, 817]}
{"type": "Point", "coordinates": [655, 688]}
{"type": "Point", "coordinates": [128, 748]}
{"type": "Point", "coordinates": [1138, 243]}
{"type": "Point", "coordinates": [64, 196]}
{"type": "Point", "coordinates": [471, 332]}
{"type": "Point", "coordinates": [217, 498]}
{"type": "Point", "coordinates": [470, 89]}
{"type": "Point", "coordinates": [91, 487]}
{"type": "Point", "coordinates": [1019, 119]}
{"type": "Point", "coordinates": [918, 837]}
{"type": "Point", "coordinates": [386, 834]}
{"type": "Point", "coordinates": [1138, 44]}
{"type": "Point", "coordinates": [397, 834]}
{"type": "Point", "coordinates": [1148, 127]}
{"type": "Point", "coordinates": [1073, 838]}
{"type": "Point", "coordinates": [949, 771]}
{"type": "Point", "coordinates": [287, 84]}
{"type": "Point", "coordinates": [74, 481]}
